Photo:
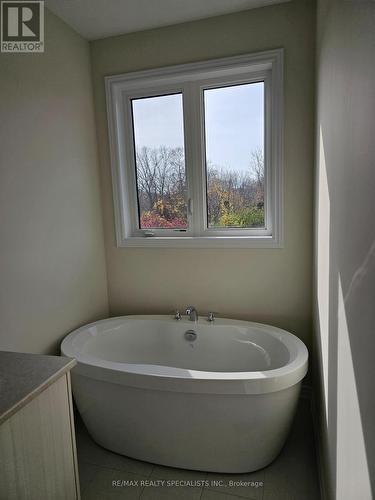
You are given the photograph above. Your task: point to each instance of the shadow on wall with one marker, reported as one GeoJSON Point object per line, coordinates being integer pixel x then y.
{"type": "Point", "coordinates": [346, 350]}
{"type": "Point", "coordinates": [345, 248]}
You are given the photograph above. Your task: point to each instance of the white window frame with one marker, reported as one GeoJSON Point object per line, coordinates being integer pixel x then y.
{"type": "Point", "coordinates": [191, 80]}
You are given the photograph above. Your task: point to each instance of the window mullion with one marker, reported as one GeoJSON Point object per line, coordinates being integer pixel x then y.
{"type": "Point", "coordinates": [193, 145]}
{"type": "Point", "coordinates": [128, 181]}
{"type": "Point", "coordinates": [268, 174]}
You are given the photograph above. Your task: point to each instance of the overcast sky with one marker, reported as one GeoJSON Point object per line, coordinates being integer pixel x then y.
{"type": "Point", "coordinates": [234, 123]}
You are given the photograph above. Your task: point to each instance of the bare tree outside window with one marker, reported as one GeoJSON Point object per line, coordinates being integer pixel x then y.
{"type": "Point", "coordinates": [161, 187]}
{"type": "Point", "coordinates": [234, 198]}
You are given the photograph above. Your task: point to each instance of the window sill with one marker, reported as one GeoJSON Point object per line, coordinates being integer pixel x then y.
{"type": "Point", "coordinates": [203, 242]}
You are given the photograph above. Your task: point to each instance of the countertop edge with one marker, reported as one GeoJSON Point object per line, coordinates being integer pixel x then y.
{"type": "Point", "coordinates": [71, 362]}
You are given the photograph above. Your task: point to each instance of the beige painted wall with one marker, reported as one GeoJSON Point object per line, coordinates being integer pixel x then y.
{"type": "Point", "coordinates": [272, 285]}
{"type": "Point", "coordinates": [345, 246]}
{"type": "Point", "coordinates": [52, 265]}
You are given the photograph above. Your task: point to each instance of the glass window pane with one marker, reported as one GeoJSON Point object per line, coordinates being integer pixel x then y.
{"type": "Point", "coordinates": [160, 162]}
{"type": "Point", "coordinates": [234, 129]}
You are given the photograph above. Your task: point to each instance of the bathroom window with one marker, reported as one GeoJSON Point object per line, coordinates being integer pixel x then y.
{"type": "Point", "coordinates": [196, 153]}
{"type": "Point", "coordinates": [159, 150]}
{"type": "Point", "coordinates": [234, 156]}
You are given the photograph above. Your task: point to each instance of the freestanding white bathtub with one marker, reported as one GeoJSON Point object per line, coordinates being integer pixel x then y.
{"type": "Point", "coordinates": [223, 402]}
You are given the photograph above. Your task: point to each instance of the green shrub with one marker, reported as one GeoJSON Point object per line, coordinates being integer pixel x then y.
{"type": "Point", "coordinates": [252, 217]}
{"type": "Point", "coordinates": [247, 217]}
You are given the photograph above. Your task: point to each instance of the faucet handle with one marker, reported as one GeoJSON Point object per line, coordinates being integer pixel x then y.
{"type": "Point", "coordinates": [211, 316]}
{"type": "Point", "coordinates": [177, 315]}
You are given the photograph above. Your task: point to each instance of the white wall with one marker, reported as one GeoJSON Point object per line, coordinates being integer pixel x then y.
{"type": "Point", "coordinates": [52, 265]}
{"type": "Point", "coordinates": [345, 246]}
{"type": "Point", "coordinates": [267, 285]}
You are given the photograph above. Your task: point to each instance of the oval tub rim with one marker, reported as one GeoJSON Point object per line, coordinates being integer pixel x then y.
{"type": "Point", "coordinates": [139, 375]}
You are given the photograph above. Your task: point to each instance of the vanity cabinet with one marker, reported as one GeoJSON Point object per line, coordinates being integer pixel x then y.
{"type": "Point", "coordinates": [37, 442]}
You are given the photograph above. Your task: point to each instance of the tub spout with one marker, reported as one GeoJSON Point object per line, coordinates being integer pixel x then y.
{"type": "Point", "coordinates": [192, 313]}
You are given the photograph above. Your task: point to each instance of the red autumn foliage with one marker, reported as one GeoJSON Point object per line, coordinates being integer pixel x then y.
{"type": "Point", "coordinates": [153, 219]}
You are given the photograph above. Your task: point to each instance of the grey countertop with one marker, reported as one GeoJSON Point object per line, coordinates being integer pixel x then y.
{"type": "Point", "coordinates": [24, 376]}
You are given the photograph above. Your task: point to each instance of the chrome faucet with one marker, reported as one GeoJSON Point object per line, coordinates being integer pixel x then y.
{"type": "Point", "coordinates": [192, 313]}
